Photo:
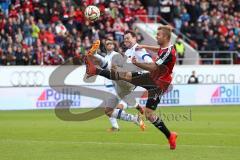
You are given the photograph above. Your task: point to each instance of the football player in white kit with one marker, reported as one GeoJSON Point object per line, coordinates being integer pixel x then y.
{"type": "Point", "coordinates": [123, 89]}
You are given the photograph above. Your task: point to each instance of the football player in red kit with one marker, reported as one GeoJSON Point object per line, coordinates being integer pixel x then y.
{"type": "Point", "coordinates": [156, 81]}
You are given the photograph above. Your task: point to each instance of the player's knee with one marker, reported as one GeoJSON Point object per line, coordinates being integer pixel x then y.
{"type": "Point", "coordinates": [152, 103]}
{"type": "Point", "coordinates": [125, 75]}
{"type": "Point", "coordinates": [108, 111]}
{"type": "Point", "coordinates": [129, 76]}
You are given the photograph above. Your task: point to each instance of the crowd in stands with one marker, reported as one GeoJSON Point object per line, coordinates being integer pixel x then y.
{"type": "Point", "coordinates": [209, 24]}
{"type": "Point", "coordinates": [49, 32]}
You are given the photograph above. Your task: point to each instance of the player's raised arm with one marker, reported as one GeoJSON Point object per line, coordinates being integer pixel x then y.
{"type": "Point", "coordinates": [148, 47]}
{"type": "Point", "coordinates": [143, 55]}
{"type": "Point", "coordinates": [145, 66]}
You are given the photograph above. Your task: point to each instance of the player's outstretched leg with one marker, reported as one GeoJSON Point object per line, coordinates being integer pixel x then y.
{"type": "Point", "coordinates": [112, 74]}
{"type": "Point", "coordinates": [92, 70]}
{"type": "Point", "coordinates": [121, 114]}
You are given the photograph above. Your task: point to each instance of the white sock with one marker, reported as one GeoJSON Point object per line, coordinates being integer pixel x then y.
{"type": "Point", "coordinates": [121, 114]}
{"type": "Point", "coordinates": [102, 60]}
{"type": "Point", "coordinates": [114, 122]}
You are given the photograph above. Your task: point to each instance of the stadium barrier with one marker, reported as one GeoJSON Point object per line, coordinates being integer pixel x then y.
{"type": "Point", "coordinates": [27, 87]}
{"type": "Point", "coordinates": [20, 98]}
{"type": "Point", "coordinates": [25, 76]}
{"type": "Point", "coordinates": [214, 58]}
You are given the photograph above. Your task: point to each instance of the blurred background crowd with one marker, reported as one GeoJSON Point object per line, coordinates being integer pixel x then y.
{"type": "Point", "coordinates": [209, 25]}
{"type": "Point", "coordinates": [48, 32]}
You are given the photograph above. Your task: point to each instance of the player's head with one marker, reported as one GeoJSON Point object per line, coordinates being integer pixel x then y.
{"type": "Point", "coordinates": [193, 73]}
{"type": "Point", "coordinates": [164, 34]}
{"type": "Point", "coordinates": [130, 38]}
{"type": "Point", "coordinates": [109, 45]}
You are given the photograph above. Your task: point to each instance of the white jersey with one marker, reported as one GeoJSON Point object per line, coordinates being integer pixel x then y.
{"type": "Point", "coordinates": [141, 55]}
{"type": "Point", "coordinates": [124, 88]}
{"type": "Point", "coordinates": [109, 58]}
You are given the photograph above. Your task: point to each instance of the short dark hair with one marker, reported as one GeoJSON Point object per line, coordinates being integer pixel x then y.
{"type": "Point", "coordinates": [167, 30]}
{"type": "Point", "coordinates": [133, 34]}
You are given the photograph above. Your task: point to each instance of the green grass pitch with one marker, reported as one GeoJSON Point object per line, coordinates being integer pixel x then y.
{"type": "Point", "coordinates": [212, 133]}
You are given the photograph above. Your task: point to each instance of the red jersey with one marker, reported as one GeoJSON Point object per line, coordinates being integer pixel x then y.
{"type": "Point", "coordinates": [166, 60]}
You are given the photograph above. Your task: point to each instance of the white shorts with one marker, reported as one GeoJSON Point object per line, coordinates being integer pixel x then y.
{"type": "Point", "coordinates": [124, 96]}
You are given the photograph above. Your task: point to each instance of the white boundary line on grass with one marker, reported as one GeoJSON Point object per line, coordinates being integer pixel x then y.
{"type": "Point", "coordinates": [210, 134]}
{"type": "Point", "coordinates": [120, 143]}
{"type": "Point", "coordinates": [180, 133]}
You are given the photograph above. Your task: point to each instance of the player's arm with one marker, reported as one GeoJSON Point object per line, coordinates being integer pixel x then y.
{"type": "Point", "coordinates": [145, 56]}
{"type": "Point", "coordinates": [148, 47]}
{"type": "Point", "coordinates": [145, 66]}
{"type": "Point", "coordinates": [160, 63]}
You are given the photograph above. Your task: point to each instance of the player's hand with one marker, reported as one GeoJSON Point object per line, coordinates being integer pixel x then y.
{"type": "Point", "coordinates": [134, 60]}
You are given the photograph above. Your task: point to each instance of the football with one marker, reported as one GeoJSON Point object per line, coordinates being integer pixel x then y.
{"type": "Point", "coordinates": [92, 13]}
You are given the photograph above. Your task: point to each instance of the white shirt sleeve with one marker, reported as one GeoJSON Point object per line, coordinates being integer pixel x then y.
{"type": "Point", "coordinates": [147, 58]}
{"type": "Point", "coordinates": [143, 56]}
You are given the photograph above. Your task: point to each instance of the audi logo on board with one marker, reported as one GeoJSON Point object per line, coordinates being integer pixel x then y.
{"type": "Point", "coordinates": [27, 78]}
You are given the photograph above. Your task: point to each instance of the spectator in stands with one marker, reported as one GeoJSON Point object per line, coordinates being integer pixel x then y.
{"type": "Point", "coordinates": [1, 56]}
{"type": "Point", "coordinates": [19, 56]}
{"type": "Point", "coordinates": [5, 6]}
{"type": "Point", "coordinates": [50, 37]}
{"type": "Point", "coordinates": [9, 56]}
{"type": "Point", "coordinates": [237, 56]}
{"type": "Point", "coordinates": [27, 32]}
{"type": "Point", "coordinates": [177, 21]}
{"type": "Point", "coordinates": [180, 49]}
{"type": "Point", "coordinates": [193, 79]}
{"type": "Point", "coordinates": [140, 37]}
{"type": "Point", "coordinates": [166, 9]}
{"type": "Point", "coordinates": [152, 7]}
{"type": "Point", "coordinates": [25, 57]}
{"type": "Point", "coordinates": [19, 35]}
{"type": "Point", "coordinates": [211, 41]}
{"type": "Point", "coordinates": [186, 29]}
{"type": "Point", "coordinates": [231, 44]}
{"type": "Point", "coordinates": [42, 14]}
{"type": "Point", "coordinates": [178, 25]}
{"type": "Point", "coordinates": [141, 11]}
{"type": "Point", "coordinates": [118, 28]}
{"type": "Point", "coordinates": [32, 24]}
{"type": "Point", "coordinates": [35, 30]}
{"type": "Point", "coordinates": [194, 10]}
{"type": "Point", "coordinates": [204, 17]}
{"type": "Point", "coordinates": [80, 50]}
{"type": "Point", "coordinates": [78, 16]}
{"type": "Point", "coordinates": [185, 17]}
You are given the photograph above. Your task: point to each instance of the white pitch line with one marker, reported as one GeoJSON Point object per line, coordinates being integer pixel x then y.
{"type": "Point", "coordinates": [210, 134]}
{"type": "Point", "coordinates": [120, 143]}
{"type": "Point", "coordinates": [180, 133]}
